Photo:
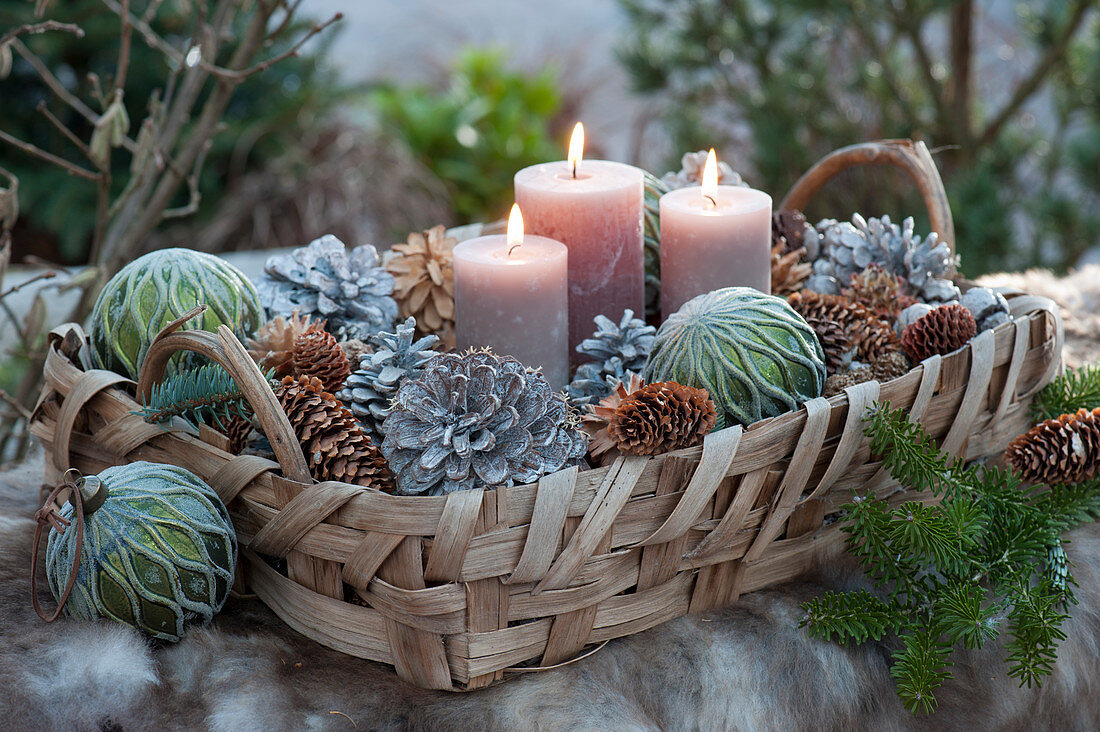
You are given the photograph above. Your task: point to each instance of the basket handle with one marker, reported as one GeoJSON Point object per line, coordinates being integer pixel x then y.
{"type": "Point", "coordinates": [911, 157]}
{"type": "Point", "coordinates": [227, 351]}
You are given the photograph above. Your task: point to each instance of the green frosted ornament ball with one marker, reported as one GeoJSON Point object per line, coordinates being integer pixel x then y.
{"type": "Point", "coordinates": [752, 352]}
{"type": "Point", "coordinates": [159, 550]}
{"type": "Point", "coordinates": [153, 290]}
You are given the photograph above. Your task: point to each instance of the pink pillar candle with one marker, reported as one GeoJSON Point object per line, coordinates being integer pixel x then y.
{"type": "Point", "coordinates": [598, 216]}
{"type": "Point", "coordinates": [707, 245]}
{"type": "Point", "coordinates": [516, 303]}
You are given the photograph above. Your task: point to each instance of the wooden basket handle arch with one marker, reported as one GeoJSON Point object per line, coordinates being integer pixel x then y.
{"type": "Point", "coordinates": [227, 351]}
{"type": "Point", "coordinates": [911, 157]}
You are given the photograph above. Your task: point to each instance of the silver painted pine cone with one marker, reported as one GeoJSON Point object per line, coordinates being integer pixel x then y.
{"type": "Point", "coordinates": [326, 281]}
{"type": "Point", "coordinates": [478, 420]}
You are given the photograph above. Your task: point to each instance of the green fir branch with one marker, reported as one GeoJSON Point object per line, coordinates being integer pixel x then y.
{"type": "Point", "coordinates": [1076, 389]}
{"type": "Point", "coordinates": [200, 395]}
{"type": "Point", "coordinates": [952, 573]}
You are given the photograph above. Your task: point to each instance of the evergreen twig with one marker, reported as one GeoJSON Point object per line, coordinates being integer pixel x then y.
{"type": "Point", "coordinates": [198, 395]}
{"type": "Point", "coordinates": [1065, 395]}
{"type": "Point", "coordinates": [989, 554]}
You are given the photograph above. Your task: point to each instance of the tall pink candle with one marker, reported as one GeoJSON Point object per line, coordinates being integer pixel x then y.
{"type": "Point", "coordinates": [712, 237]}
{"type": "Point", "coordinates": [597, 214]}
{"type": "Point", "coordinates": [514, 299]}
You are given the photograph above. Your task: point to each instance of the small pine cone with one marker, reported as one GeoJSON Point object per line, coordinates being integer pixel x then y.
{"type": "Point", "coordinates": [331, 438]}
{"type": "Point", "coordinates": [788, 270]}
{"type": "Point", "coordinates": [596, 416]}
{"type": "Point", "coordinates": [272, 347]}
{"type": "Point", "coordinates": [662, 417]}
{"type": "Point", "coordinates": [872, 336]}
{"type": "Point", "coordinates": [881, 291]}
{"type": "Point", "coordinates": [788, 227]}
{"type": "Point", "coordinates": [1058, 451]}
{"type": "Point", "coordinates": [237, 430]}
{"type": "Point", "coordinates": [317, 354]}
{"type": "Point", "coordinates": [834, 342]}
{"type": "Point", "coordinates": [890, 365]}
{"type": "Point", "coordinates": [941, 331]}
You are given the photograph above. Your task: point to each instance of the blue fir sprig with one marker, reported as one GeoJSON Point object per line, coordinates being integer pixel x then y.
{"type": "Point", "coordinates": [200, 395]}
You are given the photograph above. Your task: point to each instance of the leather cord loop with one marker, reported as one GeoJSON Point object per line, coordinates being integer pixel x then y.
{"type": "Point", "coordinates": [48, 516]}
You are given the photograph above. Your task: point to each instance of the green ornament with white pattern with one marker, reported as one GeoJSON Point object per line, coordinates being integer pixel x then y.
{"type": "Point", "coordinates": [153, 290]}
{"type": "Point", "coordinates": [158, 554]}
{"type": "Point", "coordinates": [752, 352]}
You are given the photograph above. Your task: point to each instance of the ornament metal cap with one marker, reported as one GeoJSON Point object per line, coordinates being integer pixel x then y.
{"type": "Point", "coordinates": [93, 491]}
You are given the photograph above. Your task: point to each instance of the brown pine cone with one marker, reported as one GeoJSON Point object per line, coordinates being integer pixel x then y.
{"type": "Point", "coordinates": [788, 227]}
{"type": "Point", "coordinates": [332, 440]}
{"type": "Point", "coordinates": [940, 331]}
{"type": "Point", "coordinates": [237, 430]}
{"type": "Point", "coordinates": [317, 353]}
{"type": "Point", "coordinates": [788, 270]}
{"type": "Point", "coordinates": [880, 291]}
{"type": "Point", "coordinates": [872, 336]}
{"type": "Point", "coordinates": [834, 342]}
{"type": "Point", "coordinates": [596, 416]}
{"type": "Point", "coordinates": [272, 347]}
{"type": "Point", "coordinates": [661, 417]}
{"type": "Point", "coordinates": [890, 366]}
{"type": "Point", "coordinates": [1058, 451]}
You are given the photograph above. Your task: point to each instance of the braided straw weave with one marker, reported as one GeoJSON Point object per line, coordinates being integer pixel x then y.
{"type": "Point", "coordinates": [457, 591]}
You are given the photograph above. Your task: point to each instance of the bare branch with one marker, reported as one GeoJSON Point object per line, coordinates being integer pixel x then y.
{"type": "Point", "coordinates": [125, 34]}
{"type": "Point", "coordinates": [69, 134]}
{"type": "Point", "coordinates": [194, 195]}
{"type": "Point", "coordinates": [150, 36]}
{"type": "Point", "coordinates": [51, 81]}
{"type": "Point", "coordinates": [48, 157]}
{"type": "Point", "coordinates": [31, 29]}
{"type": "Point", "coordinates": [1054, 53]}
{"type": "Point", "coordinates": [241, 74]}
{"type": "Point", "coordinates": [291, 8]}
{"type": "Point", "coordinates": [23, 411]}
{"type": "Point", "coordinates": [37, 278]}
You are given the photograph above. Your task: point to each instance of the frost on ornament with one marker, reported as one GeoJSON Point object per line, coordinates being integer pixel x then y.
{"type": "Point", "coordinates": [326, 281]}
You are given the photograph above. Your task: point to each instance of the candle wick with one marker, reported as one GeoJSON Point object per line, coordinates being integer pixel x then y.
{"type": "Point", "coordinates": [512, 248]}
{"type": "Point", "coordinates": [713, 203]}
{"type": "Point", "coordinates": [574, 168]}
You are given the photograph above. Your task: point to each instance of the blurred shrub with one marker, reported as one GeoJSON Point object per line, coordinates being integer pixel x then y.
{"type": "Point", "coordinates": [267, 116]}
{"type": "Point", "coordinates": [487, 123]}
{"type": "Point", "coordinates": [788, 82]}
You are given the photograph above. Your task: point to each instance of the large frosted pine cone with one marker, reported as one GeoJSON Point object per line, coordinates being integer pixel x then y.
{"type": "Point", "coordinates": [326, 281]}
{"type": "Point", "coordinates": [1065, 450]}
{"type": "Point", "coordinates": [477, 420]}
{"type": "Point", "coordinates": [332, 440]}
{"type": "Point", "coordinates": [424, 288]}
{"type": "Point", "coordinates": [395, 357]}
{"type": "Point", "coordinates": [943, 330]}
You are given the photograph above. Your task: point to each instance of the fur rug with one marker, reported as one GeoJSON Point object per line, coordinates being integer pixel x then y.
{"type": "Point", "coordinates": [746, 667]}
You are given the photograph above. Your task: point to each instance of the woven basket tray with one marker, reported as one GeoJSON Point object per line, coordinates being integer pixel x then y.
{"type": "Point", "coordinates": [458, 591]}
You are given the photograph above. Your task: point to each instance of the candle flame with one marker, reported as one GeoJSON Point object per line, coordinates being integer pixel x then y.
{"type": "Point", "coordinates": [576, 147]}
{"type": "Point", "coordinates": [710, 178]}
{"type": "Point", "coordinates": [515, 228]}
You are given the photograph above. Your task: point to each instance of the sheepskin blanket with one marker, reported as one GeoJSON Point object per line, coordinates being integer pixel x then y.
{"type": "Point", "coordinates": [746, 667]}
